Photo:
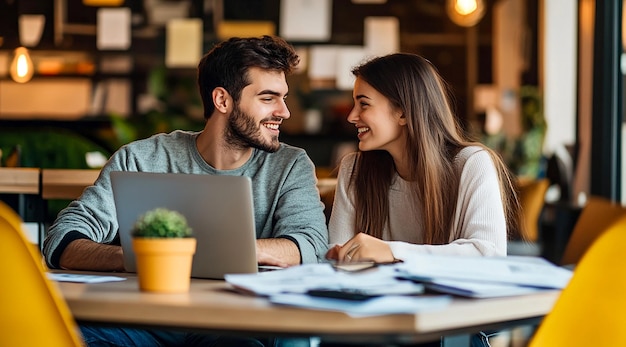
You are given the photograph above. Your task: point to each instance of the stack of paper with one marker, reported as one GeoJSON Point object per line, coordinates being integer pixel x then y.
{"type": "Point", "coordinates": [374, 291]}
{"type": "Point", "coordinates": [302, 279]}
{"type": "Point", "coordinates": [482, 277]}
{"type": "Point", "coordinates": [395, 288]}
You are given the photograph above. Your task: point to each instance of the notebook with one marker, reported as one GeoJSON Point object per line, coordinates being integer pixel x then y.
{"type": "Point", "coordinates": [219, 210]}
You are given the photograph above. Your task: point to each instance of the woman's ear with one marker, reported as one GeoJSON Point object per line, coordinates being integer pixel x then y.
{"type": "Point", "coordinates": [221, 99]}
{"type": "Point", "coordinates": [402, 119]}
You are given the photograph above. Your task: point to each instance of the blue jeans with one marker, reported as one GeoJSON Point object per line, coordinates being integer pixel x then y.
{"type": "Point", "coordinates": [477, 340]}
{"type": "Point", "coordinates": [127, 337]}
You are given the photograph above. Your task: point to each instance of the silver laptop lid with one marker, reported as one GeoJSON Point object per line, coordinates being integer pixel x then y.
{"type": "Point", "coordinates": [219, 209]}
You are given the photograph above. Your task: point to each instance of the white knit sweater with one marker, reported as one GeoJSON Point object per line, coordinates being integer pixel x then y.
{"type": "Point", "coordinates": [479, 212]}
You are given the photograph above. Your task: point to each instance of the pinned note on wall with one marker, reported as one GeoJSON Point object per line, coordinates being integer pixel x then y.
{"type": "Point", "coordinates": [306, 20]}
{"type": "Point", "coordinates": [113, 28]}
{"type": "Point", "coordinates": [183, 42]}
{"type": "Point", "coordinates": [333, 64]}
{"type": "Point", "coordinates": [103, 2]}
{"type": "Point", "coordinates": [381, 35]}
{"type": "Point", "coordinates": [348, 58]}
{"type": "Point", "coordinates": [244, 28]}
{"type": "Point", "coordinates": [323, 61]}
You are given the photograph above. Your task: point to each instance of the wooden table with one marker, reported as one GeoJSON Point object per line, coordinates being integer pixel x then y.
{"type": "Point", "coordinates": [66, 183]}
{"type": "Point", "coordinates": [19, 180]}
{"type": "Point", "coordinates": [212, 306]}
{"type": "Point", "coordinates": [19, 188]}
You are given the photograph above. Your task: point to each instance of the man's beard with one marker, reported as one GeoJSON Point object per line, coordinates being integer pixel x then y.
{"type": "Point", "coordinates": [243, 132]}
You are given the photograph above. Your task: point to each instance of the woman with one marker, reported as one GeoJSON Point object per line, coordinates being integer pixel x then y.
{"type": "Point", "coordinates": [417, 185]}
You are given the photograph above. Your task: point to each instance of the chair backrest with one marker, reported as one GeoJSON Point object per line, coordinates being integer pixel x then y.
{"type": "Point", "coordinates": [326, 187]}
{"type": "Point", "coordinates": [32, 310]}
{"type": "Point", "coordinates": [10, 215]}
{"type": "Point", "coordinates": [532, 198]}
{"type": "Point", "coordinates": [591, 309]}
{"type": "Point", "coordinates": [597, 215]}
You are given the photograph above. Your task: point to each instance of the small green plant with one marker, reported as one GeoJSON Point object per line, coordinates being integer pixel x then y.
{"type": "Point", "coordinates": [161, 222]}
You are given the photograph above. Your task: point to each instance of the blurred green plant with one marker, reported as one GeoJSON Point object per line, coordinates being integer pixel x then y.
{"type": "Point", "coordinates": [527, 157]}
{"type": "Point", "coordinates": [174, 103]}
{"type": "Point", "coordinates": [524, 154]}
{"type": "Point", "coordinates": [49, 148]}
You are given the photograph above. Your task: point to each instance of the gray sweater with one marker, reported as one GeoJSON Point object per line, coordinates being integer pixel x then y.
{"type": "Point", "coordinates": [286, 199]}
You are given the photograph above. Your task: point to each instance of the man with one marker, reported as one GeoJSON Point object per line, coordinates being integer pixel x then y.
{"type": "Point", "coordinates": [243, 86]}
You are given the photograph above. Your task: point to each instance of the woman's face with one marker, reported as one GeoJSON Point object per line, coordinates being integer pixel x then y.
{"type": "Point", "coordinates": [379, 124]}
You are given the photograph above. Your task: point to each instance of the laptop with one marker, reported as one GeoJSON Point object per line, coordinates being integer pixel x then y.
{"type": "Point", "coordinates": [219, 210]}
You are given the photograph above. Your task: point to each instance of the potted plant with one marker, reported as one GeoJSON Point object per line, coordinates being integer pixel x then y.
{"type": "Point", "coordinates": [164, 249]}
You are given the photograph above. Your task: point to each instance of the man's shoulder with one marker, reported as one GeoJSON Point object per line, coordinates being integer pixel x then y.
{"type": "Point", "coordinates": [287, 148]}
{"type": "Point", "coordinates": [176, 136]}
{"type": "Point", "coordinates": [285, 156]}
{"type": "Point", "coordinates": [285, 152]}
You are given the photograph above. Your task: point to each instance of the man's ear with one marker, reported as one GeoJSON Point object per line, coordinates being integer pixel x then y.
{"type": "Point", "coordinates": [221, 99]}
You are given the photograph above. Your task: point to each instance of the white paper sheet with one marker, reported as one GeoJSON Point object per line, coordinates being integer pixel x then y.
{"type": "Point", "coordinates": [526, 271]}
{"type": "Point", "coordinates": [63, 277]}
{"type": "Point", "coordinates": [300, 279]}
{"type": "Point", "coordinates": [479, 290]}
{"type": "Point", "coordinates": [390, 304]}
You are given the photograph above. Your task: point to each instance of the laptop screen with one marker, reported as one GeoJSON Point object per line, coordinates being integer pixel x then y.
{"type": "Point", "coordinates": [219, 210]}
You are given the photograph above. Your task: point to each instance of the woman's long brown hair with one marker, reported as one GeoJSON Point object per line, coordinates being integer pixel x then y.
{"type": "Point", "coordinates": [413, 86]}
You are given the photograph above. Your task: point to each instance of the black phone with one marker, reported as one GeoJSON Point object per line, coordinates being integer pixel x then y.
{"type": "Point", "coordinates": [345, 294]}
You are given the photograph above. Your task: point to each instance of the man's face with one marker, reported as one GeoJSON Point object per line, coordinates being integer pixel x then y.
{"type": "Point", "coordinates": [256, 118]}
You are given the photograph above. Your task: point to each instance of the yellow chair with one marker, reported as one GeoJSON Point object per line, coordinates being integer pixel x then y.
{"type": "Point", "coordinates": [591, 310]}
{"type": "Point", "coordinates": [596, 216]}
{"type": "Point", "coordinates": [532, 196]}
{"type": "Point", "coordinates": [10, 215]}
{"type": "Point", "coordinates": [32, 311]}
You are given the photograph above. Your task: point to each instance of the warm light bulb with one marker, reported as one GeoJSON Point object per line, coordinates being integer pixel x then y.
{"type": "Point", "coordinates": [22, 68]}
{"type": "Point", "coordinates": [465, 12]}
{"type": "Point", "coordinates": [465, 7]}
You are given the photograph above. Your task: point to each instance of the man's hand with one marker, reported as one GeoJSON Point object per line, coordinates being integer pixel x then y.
{"type": "Point", "coordinates": [83, 254]}
{"type": "Point", "coordinates": [277, 252]}
{"type": "Point", "coordinates": [362, 247]}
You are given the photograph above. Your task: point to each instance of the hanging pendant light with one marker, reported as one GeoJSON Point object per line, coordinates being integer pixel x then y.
{"type": "Point", "coordinates": [466, 13]}
{"type": "Point", "coordinates": [22, 68]}
{"type": "Point", "coordinates": [30, 30]}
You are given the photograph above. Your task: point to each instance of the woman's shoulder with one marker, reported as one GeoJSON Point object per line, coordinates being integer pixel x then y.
{"type": "Point", "coordinates": [346, 165]}
{"type": "Point", "coordinates": [347, 161]}
{"type": "Point", "coordinates": [473, 152]}
{"type": "Point", "coordinates": [475, 158]}
{"type": "Point", "coordinates": [349, 158]}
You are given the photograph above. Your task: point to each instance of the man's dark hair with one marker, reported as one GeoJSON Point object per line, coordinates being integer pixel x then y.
{"type": "Point", "coordinates": [227, 63]}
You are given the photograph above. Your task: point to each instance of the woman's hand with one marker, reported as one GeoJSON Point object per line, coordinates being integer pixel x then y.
{"type": "Point", "coordinates": [361, 247]}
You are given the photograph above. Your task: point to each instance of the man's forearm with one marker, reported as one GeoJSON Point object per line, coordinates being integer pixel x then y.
{"type": "Point", "coordinates": [85, 254]}
{"type": "Point", "coordinates": [277, 251]}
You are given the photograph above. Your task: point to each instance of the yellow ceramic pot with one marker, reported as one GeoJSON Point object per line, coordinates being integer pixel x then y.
{"type": "Point", "coordinates": [164, 264]}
